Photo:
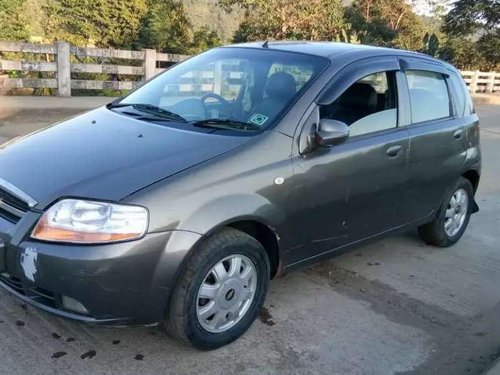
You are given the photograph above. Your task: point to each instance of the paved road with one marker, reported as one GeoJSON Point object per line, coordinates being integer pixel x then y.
{"type": "Point", "coordinates": [394, 306]}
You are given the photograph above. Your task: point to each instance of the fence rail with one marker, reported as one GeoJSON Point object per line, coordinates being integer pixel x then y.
{"type": "Point", "coordinates": [62, 60]}
{"type": "Point", "coordinates": [481, 81]}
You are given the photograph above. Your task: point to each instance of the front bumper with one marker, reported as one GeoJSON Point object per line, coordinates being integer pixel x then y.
{"type": "Point", "coordinates": [122, 283]}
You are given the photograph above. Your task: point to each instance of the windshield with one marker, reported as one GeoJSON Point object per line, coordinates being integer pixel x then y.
{"type": "Point", "coordinates": [227, 86]}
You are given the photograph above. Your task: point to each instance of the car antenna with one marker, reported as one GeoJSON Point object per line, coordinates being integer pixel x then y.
{"type": "Point", "coordinates": [266, 44]}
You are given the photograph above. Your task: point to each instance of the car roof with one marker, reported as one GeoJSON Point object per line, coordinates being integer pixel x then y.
{"type": "Point", "coordinates": [333, 50]}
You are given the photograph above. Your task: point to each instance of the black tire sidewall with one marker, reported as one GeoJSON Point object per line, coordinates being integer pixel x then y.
{"type": "Point", "coordinates": [250, 248]}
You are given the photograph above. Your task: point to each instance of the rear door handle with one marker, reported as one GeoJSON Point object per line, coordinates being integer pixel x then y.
{"type": "Point", "coordinates": [394, 151]}
{"type": "Point", "coordinates": [458, 133]}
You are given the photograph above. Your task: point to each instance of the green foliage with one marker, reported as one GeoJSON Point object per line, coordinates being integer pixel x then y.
{"type": "Point", "coordinates": [431, 44]}
{"type": "Point", "coordinates": [470, 16]}
{"type": "Point", "coordinates": [208, 13]}
{"type": "Point", "coordinates": [471, 20]}
{"type": "Point", "coordinates": [100, 22]}
{"type": "Point", "coordinates": [462, 53]}
{"type": "Point", "coordinates": [165, 27]}
{"type": "Point", "coordinates": [468, 36]}
{"type": "Point", "coordinates": [283, 19]}
{"type": "Point", "coordinates": [386, 23]}
{"type": "Point", "coordinates": [12, 24]}
{"type": "Point", "coordinates": [489, 47]}
{"type": "Point", "coordinates": [204, 39]}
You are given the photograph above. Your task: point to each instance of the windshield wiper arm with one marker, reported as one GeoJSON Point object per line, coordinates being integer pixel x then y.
{"type": "Point", "coordinates": [151, 109]}
{"type": "Point", "coordinates": [219, 123]}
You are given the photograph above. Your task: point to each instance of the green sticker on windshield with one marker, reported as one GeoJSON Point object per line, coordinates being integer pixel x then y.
{"type": "Point", "coordinates": [259, 119]}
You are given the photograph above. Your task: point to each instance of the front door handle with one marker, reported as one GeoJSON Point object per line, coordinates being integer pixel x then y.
{"type": "Point", "coordinates": [458, 133]}
{"type": "Point", "coordinates": [394, 151]}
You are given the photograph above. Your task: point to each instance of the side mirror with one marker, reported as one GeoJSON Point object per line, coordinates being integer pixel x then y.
{"type": "Point", "coordinates": [331, 132]}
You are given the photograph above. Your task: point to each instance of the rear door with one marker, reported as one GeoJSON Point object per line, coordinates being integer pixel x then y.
{"type": "Point", "coordinates": [437, 137]}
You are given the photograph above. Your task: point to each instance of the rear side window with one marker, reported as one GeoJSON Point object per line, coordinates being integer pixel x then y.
{"type": "Point", "coordinates": [428, 96]}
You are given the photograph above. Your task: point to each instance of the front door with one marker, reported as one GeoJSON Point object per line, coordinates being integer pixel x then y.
{"type": "Point", "coordinates": [356, 189]}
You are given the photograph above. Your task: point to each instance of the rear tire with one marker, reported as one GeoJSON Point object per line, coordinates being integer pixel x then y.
{"type": "Point", "coordinates": [452, 217]}
{"type": "Point", "coordinates": [230, 267]}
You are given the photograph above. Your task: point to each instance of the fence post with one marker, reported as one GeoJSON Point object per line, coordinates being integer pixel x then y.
{"type": "Point", "coordinates": [63, 69]}
{"type": "Point", "coordinates": [149, 64]}
{"type": "Point", "coordinates": [473, 82]}
{"type": "Point", "coordinates": [491, 83]}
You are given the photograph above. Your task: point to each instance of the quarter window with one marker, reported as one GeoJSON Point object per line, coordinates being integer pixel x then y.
{"type": "Point", "coordinates": [429, 96]}
{"type": "Point", "coordinates": [464, 102]}
{"type": "Point", "coordinates": [368, 106]}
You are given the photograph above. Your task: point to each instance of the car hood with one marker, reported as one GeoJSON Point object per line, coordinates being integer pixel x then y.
{"type": "Point", "coordinates": [104, 155]}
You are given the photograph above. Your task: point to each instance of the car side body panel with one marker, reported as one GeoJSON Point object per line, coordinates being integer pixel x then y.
{"type": "Point", "coordinates": [210, 196]}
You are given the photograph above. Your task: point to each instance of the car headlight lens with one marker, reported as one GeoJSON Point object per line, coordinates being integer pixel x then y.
{"type": "Point", "coordinates": [82, 221]}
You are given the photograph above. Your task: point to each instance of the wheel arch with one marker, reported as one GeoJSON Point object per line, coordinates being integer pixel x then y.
{"type": "Point", "coordinates": [473, 176]}
{"type": "Point", "coordinates": [260, 230]}
{"type": "Point", "coordinates": [266, 236]}
{"type": "Point", "coordinates": [252, 214]}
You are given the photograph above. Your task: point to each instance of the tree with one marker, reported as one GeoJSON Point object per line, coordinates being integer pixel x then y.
{"type": "Point", "coordinates": [204, 39]}
{"type": "Point", "coordinates": [387, 23]}
{"type": "Point", "coordinates": [471, 16]}
{"type": "Point", "coordinates": [463, 53]}
{"type": "Point", "coordinates": [474, 23]}
{"type": "Point", "coordinates": [165, 27]}
{"type": "Point", "coordinates": [12, 25]}
{"type": "Point", "coordinates": [101, 22]}
{"type": "Point", "coordinates": [284, 19]}
{"type": "Point", "coordinates": [431, 44]}
{"type": "Point", "coordinates": [208, 14]}
{"type": "Point", "coordinates": [489, 45]}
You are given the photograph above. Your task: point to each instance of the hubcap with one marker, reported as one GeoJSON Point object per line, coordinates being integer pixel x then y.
{"type": "Point", "coordinates": [456, 212]}
{"type": "Point", "coordinates": [226, 293]}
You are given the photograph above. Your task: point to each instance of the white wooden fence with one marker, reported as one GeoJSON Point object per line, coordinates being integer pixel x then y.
{"type": "Point", "coordinates": [481, 81]}
{"type": "Point", "coordinates": [61, 59]}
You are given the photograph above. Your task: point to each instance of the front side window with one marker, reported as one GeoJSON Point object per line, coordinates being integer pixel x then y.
{"type": "Point", "coordinates": [429, 96]}
{"type": "Point", "coordinates": [240, 85]}
{"type": "Point", "coordinates": [368, 106]}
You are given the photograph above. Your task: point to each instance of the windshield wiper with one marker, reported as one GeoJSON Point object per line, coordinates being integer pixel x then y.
{"type": "Point", "coordinates": [150, 109]}
{"type": "Point", "coordinates": [219, 123]}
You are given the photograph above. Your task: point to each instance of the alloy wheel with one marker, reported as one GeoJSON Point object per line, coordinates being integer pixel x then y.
{"type": "Point", "coordinates": [456, 212]}
{"type": "Point", "coordinates": [226, 293]}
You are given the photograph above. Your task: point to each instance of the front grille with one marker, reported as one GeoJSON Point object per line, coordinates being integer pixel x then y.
{"type": "Point", "coordinates": [12, 208]}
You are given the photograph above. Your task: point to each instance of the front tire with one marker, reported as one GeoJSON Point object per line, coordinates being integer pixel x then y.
{"type": "Point", "coordinates": [452, 217]}
{"type": "Point", "coordinates": [220, 291]}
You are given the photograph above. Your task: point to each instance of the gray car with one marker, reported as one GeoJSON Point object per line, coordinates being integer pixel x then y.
{"type": "Point", "coordinates": [179, 202]}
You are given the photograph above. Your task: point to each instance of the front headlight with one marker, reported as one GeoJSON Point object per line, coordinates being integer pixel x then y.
{"type": "Point", "coordinates": [86, 222]}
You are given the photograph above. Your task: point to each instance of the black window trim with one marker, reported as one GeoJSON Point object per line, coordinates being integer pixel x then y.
{"type": "Point", "coordinates": [357, 70]}
{"type": "Point", "coordinates": [353, 72]}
